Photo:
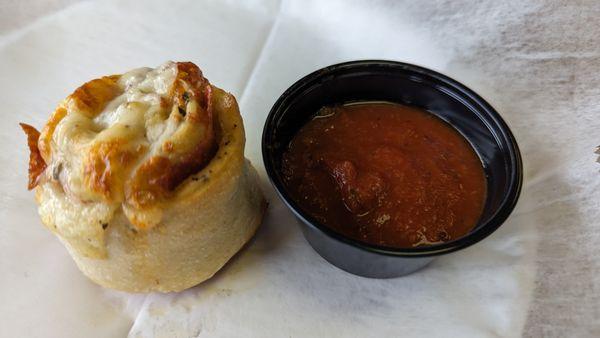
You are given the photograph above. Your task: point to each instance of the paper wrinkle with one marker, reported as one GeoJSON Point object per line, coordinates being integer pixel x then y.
{"type": "Point", "coordinates": [265, 45]}
{"type": "Point", "coordinates": [537, 275]}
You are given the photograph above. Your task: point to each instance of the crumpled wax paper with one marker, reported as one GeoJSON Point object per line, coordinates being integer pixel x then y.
{"type": "Point", "coordinates": [537, 62]}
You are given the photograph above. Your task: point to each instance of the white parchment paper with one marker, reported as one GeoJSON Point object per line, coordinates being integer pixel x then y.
{"type": "Point", "coordinates": [537, 62]}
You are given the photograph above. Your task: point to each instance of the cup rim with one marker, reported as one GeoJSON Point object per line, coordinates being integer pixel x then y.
{"type": "Point", "coordinates": [505, 208]}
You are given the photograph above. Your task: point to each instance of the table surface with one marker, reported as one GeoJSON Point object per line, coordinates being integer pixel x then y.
{"type": "Point", "coordinates": [537, 62]}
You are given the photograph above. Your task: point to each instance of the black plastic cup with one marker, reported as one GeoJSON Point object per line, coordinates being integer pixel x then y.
{"type": "Point", "coordinates": [378, 80]}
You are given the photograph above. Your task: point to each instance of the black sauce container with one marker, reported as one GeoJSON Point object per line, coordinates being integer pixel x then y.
{"type": "Point", "coordinates": [379, 80]}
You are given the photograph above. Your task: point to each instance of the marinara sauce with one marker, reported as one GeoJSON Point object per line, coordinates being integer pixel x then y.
{"type": "Point", "coordinates": [385, 174]}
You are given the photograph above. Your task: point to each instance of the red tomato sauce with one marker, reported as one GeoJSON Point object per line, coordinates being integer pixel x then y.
{"type": "Point", "coordinates": [385, 174]}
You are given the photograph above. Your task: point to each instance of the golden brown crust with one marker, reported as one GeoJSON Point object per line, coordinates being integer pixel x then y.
{"type": "Point", "coordinates": [94, 95]}
{"type": "Point", "coordinates": [207, 219]}
{"type": "Point", "coordinates": [105, 166]}
{"type": "Point", "coordinates": [36, 162]}
{"type": "Point", "coordinates": [111, 171]}
{"type": "Point", "coordinates": [152, 182]}
{"type": "Point", "coordinates": [190, 148]}
{"type": "Point", "coordinates": [45, 139]}
{"type": "Point", "coordinates": [191, 84]}
{"type": "Point", "coordinates": [150, 190]}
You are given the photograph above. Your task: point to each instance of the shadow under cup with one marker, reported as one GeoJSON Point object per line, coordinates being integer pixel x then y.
{"type": "Point", "coordinates": [377, 80]}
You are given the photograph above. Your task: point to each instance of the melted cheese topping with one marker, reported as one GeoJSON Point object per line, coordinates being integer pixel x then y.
{"type": "Point", "coordinates": [126, 140]}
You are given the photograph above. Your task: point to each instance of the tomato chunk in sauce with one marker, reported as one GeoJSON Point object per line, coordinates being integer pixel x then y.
{"type": "Point", "coordinates": [385, 174]}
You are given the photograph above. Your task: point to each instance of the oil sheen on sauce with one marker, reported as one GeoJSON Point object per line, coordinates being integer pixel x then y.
{"type": "Point", "coordinates": [385, 174]}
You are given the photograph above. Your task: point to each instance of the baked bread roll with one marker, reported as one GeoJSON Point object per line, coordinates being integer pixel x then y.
{"type": "Point", "coordinates": [143, 178]}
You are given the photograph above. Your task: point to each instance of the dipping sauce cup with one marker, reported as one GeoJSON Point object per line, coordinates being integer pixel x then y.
{"type": "Point", "coordinates": [379, 80]}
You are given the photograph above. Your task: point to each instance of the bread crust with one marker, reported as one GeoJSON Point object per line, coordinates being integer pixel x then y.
{"type": "Point", "coordinates": [207, 219]}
